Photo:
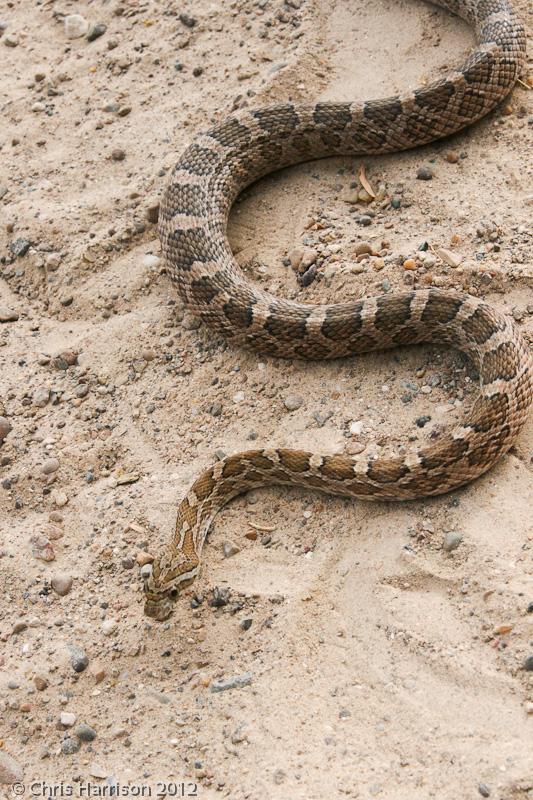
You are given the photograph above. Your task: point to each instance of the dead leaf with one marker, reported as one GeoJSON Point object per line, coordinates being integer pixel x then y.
{"type": "Point", "coordinates": [365, 183]}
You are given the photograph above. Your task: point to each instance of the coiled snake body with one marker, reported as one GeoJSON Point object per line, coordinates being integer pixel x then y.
{"type": "Point", "coordinates": [193, 218]}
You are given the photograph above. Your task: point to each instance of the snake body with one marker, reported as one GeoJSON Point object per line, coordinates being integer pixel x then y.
{"type": "Point", "coordinates": [215, 167]}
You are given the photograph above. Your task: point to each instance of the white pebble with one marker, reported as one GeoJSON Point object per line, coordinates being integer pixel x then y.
{"type": "Point", "coordinates": [75, 26]}
{"type": "Point", "coordinates": [151, 261]}
{"type": "Point", "coordinates": [238, 397]}
{"type": "Point", "coordinates": [109, 626]}
{"type": "Point", "coordinates": [67, 719]}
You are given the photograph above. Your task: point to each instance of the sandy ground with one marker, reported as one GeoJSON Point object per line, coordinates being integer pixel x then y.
{"type": "Point", "coordinates": [378, 664]}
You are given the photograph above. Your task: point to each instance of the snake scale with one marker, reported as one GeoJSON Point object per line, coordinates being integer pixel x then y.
{"type": "Point", "coordinates": [212, 171]}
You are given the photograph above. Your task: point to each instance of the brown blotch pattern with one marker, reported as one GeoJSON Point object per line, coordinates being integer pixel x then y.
{"type": "Point", "coordinates": [286, 329]}
{"type": "Point", "coordinates": [294, 460]}
{"type": "Point", "coordinates": [340, 468]}
{"type": "Point", "coordinates": [440, 308]}
{"type": "Point", "coordinates": [481, 325]}
{"type": "Point", "coordinates": [502, 362]}
{"type": "Point", "coordinates": [392, 312]}
{"type": "Point", "coordinates": [487, 412]}
{"type": "Point", "coordinates": [388, 470]}
{"type": "Point", "coordinates": [234, 466]}
{"type": "Point", "coordinates": [204, 485]}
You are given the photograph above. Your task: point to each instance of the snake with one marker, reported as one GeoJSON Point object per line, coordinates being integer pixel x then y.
{"type": "Point", "coordinates": [252, 142]}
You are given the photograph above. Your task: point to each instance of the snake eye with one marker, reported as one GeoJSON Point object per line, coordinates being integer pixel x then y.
{"type": "Point", "coordinates": [173, 593]}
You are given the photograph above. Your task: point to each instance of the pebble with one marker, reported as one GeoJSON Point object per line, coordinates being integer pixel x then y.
{"type": "Point", "coordinates": [60, 498]}
{"type": "Point", "coordinates": [151, 261]}
{"type": "Point", "coordinates": [69, 746]}
{"type": "Point", "coordinates": [396, 201]}
{"type": "Point", "coordinates": [19, 626]}
{"type": "Point", "coordinates": [528, 664]}
{"type": "Point", "coordinates": [302, 258]}
{"type": "Point", "coordinates": [229, 549]}
{"type": "Point", "coordinates": [363, 247]}
{"type": "Point", "coordinates": [10, 40]}
{"type": "Point", "coordinates": [61, 584]}
{"type": "Point", "coordinates": [451, 541]}
{"type": "Point", "coordinates": [96, 771]}
{"type": "Point", "coordinates": [452, 259]}
{"type": "Point", "coordinates": [78, 658]}
{"type": "Point", "coordinates": [10, 769]}
{"type": "Point", "coordinates": [187, 20]}
{"type": "Point", "coordinates": [98, 671]}
{"type": "Point", "coordinates": [293, 402]}
{"type": "Point", "coordinates": [85, 733]}
{"type": "Point", "coordinates": [308, 276]}
{"type": "Point", "coordinates": [236, 682]}
{"type": "Point", "coordinates": [53, 261]}
{"type": "Point", "coordinates": [484, 790]}
{"type": "Point", "coordinates": [41, 548]}
{"type": "Point", "coordinates": [118, 154]}
{"type": "Point", "coordinates": [96, 30]}
{"type": "Point", "coordinates": [109, 626]}
{"type": "Point", "coordinates": [452, 157]}
{"type": "Point", "coordinates": [75, 26]}
{"type": "Point", "coordinates": [409, 264]}
{"type": "Point", "coordinates": [20, 247]}
{"type": "Point", "coordinates": [40, 683]}
{"type": "Point", "coordinates": [5, 428]}
{"type": "Point", "coordinates": [424, 174]}
{"type": "Point", "coordinates": [8, 315]}
{"type": "Point", "coordinates": [238, 397]}
{"type": "Point", "coordinates": [81, 390]}
{"type": "Point", "coordinates": [67, 719]}
{"type": "Point", "coordinates": [354, 448]}
{"type": "Point", "coordinates": [142, 558]}
{"type": "Point", "coordinates": [41, 396]}
{"type": "Point", "coordinates": [50, 466]}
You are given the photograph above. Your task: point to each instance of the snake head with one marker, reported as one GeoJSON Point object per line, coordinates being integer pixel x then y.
{"type": "Point", "coordinates": [162, 587]}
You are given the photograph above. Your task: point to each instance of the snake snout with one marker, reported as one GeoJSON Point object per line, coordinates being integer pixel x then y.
{"type": "Point", "coordinates": [159, 610]}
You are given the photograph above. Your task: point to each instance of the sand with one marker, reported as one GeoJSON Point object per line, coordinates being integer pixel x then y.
{"type": "Point", "coordinates": [378, 664]}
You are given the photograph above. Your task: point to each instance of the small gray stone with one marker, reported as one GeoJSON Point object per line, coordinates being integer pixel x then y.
{"type": "Point", "coordinates": [19, 247]}
{"type": "Point", "coordinates": [451, 541]}
{"type": "Point", "coordinates": [81, 390]}
{"type": "Point", "coordinates": [229, 549]}
{"type": "Point", "coordinates": [484, 790]}
{"type": "Point", "coordinates": [187, 20]}
{"type": "Point", "coordinates": [5, 428]}
{"type": "Point", "coordinates": [41, 396]}
{"type": "Point", "coordinates": [528, 664]}
{"type": "Point", "coordinates": [50, 466]}
{"type": "Point", "coordinates": [61, 584]}
{"type": "Point", "coordinates": [78, 658]}
{"type": "Point", "coordinates": [95, 31]}
{"type": "Point", "coordinates": [10, 769]}
{"type": "Point", "coordinates": [69, 746]}
{"type": "Point", "coordinates": [237, 682]}
{"type": "Point", "coordinates": [75, 26]}
{"type": "Point", "coordinates": [8, 315]}
{"type": "Point", "coordinates": [424, 174]}
{"type": "Point", "coordinates": [85, 733]}
{"type": "Point", "coordinates": [293, 402]}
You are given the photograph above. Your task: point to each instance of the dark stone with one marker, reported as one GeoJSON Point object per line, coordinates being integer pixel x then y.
{"type": "Point", "coordinates": [95, 31]}
{"type": "Point", "coordinates": [19, 247]}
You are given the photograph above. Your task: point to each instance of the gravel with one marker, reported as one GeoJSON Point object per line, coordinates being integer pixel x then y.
{"type": "Point", "coordinates": [236, 682]}
{"type": "Point", "coordinates": [78, 658]}
{"type": "Point", "coordinates": [451, 541]}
